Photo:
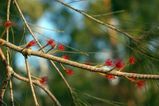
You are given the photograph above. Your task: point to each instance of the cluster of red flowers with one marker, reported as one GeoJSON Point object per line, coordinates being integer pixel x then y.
{"type": "Point", "coordinates": [50, 42]}
{"type": "Point", "coordinates": [119, 63]}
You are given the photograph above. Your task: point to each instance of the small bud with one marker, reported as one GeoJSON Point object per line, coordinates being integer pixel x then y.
{"type": "Point", "coordinates": [109, 76]}
{"type": "Point", "coordinates": [61, 47]}
{"type": "Point", "coordinates": [31, 43]}
{"type": "Point", "coordinates": [51, 42]}
{"type": "Point", "coordinates": [69, 72]}
{"type": "Point", "coordinates": [119, 64]}
{"type": "Point", "coordinates": [43, 80]}
{"type": "Point", "coordinates": [8, 24]}
{"type": "Point", "coordinates": [109, 62]}
{"type": "Point", "coordinates": [140, 83]}
{"type": "Point", "coordinates": [132, 60]}
{"type": "Point", "coordinates": [65, 57]}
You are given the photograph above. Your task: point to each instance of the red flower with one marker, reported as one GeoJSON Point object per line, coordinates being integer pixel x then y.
{"type": "Point", "coordinates": [110, 76]}
{"type": "Point", "coordinates": [65, 57]}
{"type": "Point", "coordinates": [69, 72]}
{"type": "Point", "coordinates": [31, 43]}
{"type": "Point", "coordinates": [61, 47]}
{"type": "Point", "coordinates": [132, 60]}
{"type": "Point", "coordinates": [140, 83]}
{"type": "Point", "coordinates": [43, 80]}
{"type": "Point", "coordinates": [8, 24]}
{"type": "Point", "coordinates": [51, 42]}
{"type": "Point", "coordinates": [119, 64]}
{"type": "Point", "coordinates": [109, 62]}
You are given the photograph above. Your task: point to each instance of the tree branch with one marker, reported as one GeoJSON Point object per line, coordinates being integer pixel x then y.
{"type": "Point", "coordinates": [5, 82]}
{"type": "Point", "coordinates": [52, 63]}
{"type": "Point", "coordinates": [8, 56]}
{"type": "Point", "coordinates": [53, 98]}
{"type": "Point", "coordinates": [76, 64]}
{"type": "Point", "coordinates": [111, 27]}
{"type": "Point", "coordinates": [96, 20]}
{"type": "Point", "coordinates": [30, 81]}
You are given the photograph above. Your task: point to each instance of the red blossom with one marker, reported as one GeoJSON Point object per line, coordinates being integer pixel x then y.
{"type": "Point", "coordinates": [8, 24]}
{"type": "Point", "coordinates": [109, 62]}
{"type": "Point", "coordinates": [31, 43]}
{"type": "Point", "coordinates": [43, 80]}
{"type": "Point", "coordinates": [109, 76]}
{"type": "Point", "coordinates": [51, 42]}
{"type": "Point", "coordinates": [69, 71]}
{"type": "Point", "coordinates": [61, 47]}
{"type": "Point", "coordinates": [119, 64]}
{"type": "Point", "coordinates": [132, 60]}
{"type": "Point", "coordinates": [140, 83]}
{"type": "Point", "coordinates": [65, 57]}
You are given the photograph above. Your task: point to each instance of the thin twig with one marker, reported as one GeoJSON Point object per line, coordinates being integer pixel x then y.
{"type": "Point", "coordinates": [52, 63]}
{"type": "Point", "coordinates": [96, 20]}
{"type": "Point", "coordinates": [8, 75]}
{"type": "Point", "coordinates": [30, 81]}
{"type": "Point", "coordinates": [11, 92]}
{"type": "Point", "coordinates": [5, 82]}
{"type": "Point", "coordinates": [65, 81]}
{"type": "Point", "coordinates": [140, 50]}
{"type": "Point", "coordinates": [8, 56]}
{"type": "Point", "coordinates": [53, 98]}
{"type": "Point", "coordinates": [77, 64]}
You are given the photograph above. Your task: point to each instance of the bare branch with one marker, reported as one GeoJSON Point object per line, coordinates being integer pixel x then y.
{"type": "Point", "coordinates": [5, 82]}
{"type": "Point", "coordinates": [39, 85]}
{"type": "Point", "coordinates": [76, 64]}
{"type": "Point", "coordinates": [53, 98]}
{"type": "Point", "coordinates": [8, 56]}
{"type": "Point", "coordinates": [52, 63]}
{"type": "Point", "coordinates": [30, 81]}
{"type": "Point", "coordinates": [11, 92]}
{"type": "Point", "coordinates": [65, 81]}
{"type": "Point", "coordinates": [97, 21]}
{"type": "Point", "coordinates": [111, 27]}
{"type": "Point", "coordinates": [6, 62]}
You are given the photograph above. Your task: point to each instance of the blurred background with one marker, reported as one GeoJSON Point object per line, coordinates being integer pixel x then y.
{"type": "Point", "coordinates": [88, 42]}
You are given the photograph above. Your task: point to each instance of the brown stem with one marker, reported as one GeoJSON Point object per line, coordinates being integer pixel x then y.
{"type": "Point", "coordinates": [76, 64]}
{"type": "Point", "coordinates": [65, 81]}
{"type": "Point", "coordinates": [53, 98]}
{"type": "Point", "coordinates": [33, 35]}
{"type": "Point", "coordinates": [30, 81]}
{"type": "Point", "coordinates": [5, 82]}
{"type": "Point", "coordinates": [8, 56]}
